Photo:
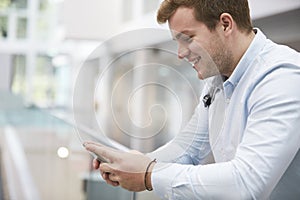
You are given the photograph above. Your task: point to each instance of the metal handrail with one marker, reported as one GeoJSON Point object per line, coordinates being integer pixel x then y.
{"type": "Point", "coordinates": [87, 130]}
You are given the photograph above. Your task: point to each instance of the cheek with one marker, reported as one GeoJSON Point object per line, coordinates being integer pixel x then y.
{"type": "Point", "coordinates": [201, 50]}
{"type": "Point", "coordinates": [196, 48]}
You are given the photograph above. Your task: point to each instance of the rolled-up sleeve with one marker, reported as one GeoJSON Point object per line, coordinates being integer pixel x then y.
{"type": "Point", "coordinates": [217, 181]}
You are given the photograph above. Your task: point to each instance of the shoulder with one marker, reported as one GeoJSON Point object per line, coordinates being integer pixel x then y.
{"type": "Point", "coordinates": [274, 55]}
{"type": "Point", "coordinates": [274, 75]}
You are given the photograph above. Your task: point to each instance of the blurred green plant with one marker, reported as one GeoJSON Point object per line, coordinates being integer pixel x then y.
{"type": "Point", "coordinates": [19, 4]}
{"type": "Point", "coordinates": [4, 4]}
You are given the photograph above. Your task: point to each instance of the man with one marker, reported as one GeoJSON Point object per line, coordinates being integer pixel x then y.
{"type": "Point", "coordinates": [243, 140]}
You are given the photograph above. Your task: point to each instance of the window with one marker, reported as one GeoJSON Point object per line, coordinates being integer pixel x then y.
{"type": "Point", "coordinates": [21, 4]}
{"type": "Point", "coordinates": [3, 27]}
{"type": "Point", "coordinates": [22, 28]}
{"type": "Point", "coordinates": [43, 5]}
{"type": "Point", "coordinates": [43, 82]}
{"type": "Point", "coordinates": [19, 74]}
{"type": "Point", "coordinates": [51, 81]}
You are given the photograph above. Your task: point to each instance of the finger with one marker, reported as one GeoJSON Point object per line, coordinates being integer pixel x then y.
{"type": "Point", "coordinates": [107, 168]}
{"type": "Point", "coordinates": [106, 177]}
{"type": "Point", "coordinates": [106, 152]}
{"type": "Point", "coordinates": [115, 184]}
{"type": "Point", "coordinates": [100, 145]}
{"type": "Point", "coordinates": [112, 183]}
{"type": "Point", "coordinates": [113, 177]}
{"type": "Point", "coordinates": [92, 142]}
{"type": "Point", "coordinates": [96, 163]}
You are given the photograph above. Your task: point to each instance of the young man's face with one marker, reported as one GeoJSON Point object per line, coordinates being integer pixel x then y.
{"type": "Point", "coordinates": [200, 46]}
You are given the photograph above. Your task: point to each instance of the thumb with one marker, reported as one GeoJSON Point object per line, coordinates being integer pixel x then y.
{"type": "Point", "coordinates": [108, 168]}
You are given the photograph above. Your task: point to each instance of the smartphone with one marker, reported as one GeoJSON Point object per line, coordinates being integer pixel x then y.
{"type": "Point", "coordinates": [101, 159]}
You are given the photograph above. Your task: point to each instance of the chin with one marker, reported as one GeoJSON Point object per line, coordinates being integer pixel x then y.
{"type": "Point", "coordinates": [200, 76]}
{"type": "Point", "coordinates": [203, 76]}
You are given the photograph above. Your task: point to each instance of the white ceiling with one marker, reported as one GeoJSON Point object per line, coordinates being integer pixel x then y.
{"type": "Point", "coordinates": [101, 19]}
{"type": "Point", "coordinates": [264, 8]}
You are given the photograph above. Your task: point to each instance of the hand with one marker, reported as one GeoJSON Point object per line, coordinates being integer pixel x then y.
{"type": "Point", "coordinates": [105, 176]}
{"type": "Point", "coordinates": [126, 169]}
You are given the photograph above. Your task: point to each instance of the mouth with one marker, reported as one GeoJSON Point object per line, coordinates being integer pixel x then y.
{"type": "Point", "coordinates": [195, 61]}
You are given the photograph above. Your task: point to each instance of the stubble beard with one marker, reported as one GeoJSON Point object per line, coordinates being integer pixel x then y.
{"type": "Point", "coordinates": [222, 58]}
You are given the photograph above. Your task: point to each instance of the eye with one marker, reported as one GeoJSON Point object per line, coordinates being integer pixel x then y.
{"type": "Point", "coordinates": [184, 39]}
{"type": "Point", "coordinates": [187, 39]}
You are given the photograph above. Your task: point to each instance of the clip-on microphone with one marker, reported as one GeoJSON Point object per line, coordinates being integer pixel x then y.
{"type": "Point", "coordinates": [207, 100]}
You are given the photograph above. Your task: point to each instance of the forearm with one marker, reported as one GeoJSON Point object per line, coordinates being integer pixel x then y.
{"type": "Point", "coordinates": [184, 149]}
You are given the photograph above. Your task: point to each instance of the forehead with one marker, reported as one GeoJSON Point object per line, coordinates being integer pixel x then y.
{"type": "Point", "coordinates": [183, 21]}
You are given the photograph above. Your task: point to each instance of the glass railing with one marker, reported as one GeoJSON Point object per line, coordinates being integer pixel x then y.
{"type": "Point", "coordinates": [43, 159]}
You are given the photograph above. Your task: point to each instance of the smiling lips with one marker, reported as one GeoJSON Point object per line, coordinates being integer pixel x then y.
{"type": "Point", "coordinates": [195, 61]}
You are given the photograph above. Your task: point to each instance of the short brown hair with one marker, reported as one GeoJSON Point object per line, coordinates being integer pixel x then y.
{"type": "Point", "coordinates": [209, 11]}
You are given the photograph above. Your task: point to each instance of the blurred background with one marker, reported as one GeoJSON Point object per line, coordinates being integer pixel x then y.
{"type": "Point", "coordinates": [45, 44]}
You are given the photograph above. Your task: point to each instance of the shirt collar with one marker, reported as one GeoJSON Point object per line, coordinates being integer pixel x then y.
{"type": "Point", "coordinates": [253, 50]}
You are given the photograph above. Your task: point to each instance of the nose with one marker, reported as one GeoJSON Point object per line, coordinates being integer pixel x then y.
{"type": "Point", "coordinates": [183, 51]}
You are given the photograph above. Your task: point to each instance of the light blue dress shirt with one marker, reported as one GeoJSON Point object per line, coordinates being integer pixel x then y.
{"type": "Point", "coordinates": [245, 145]}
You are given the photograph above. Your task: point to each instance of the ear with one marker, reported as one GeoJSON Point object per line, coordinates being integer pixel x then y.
{"type": "Point", "coordinates": [226, 22]}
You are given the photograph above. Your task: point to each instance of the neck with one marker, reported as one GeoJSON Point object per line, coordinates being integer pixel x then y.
{"type": "Point", "coordinates": [239, 45]}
